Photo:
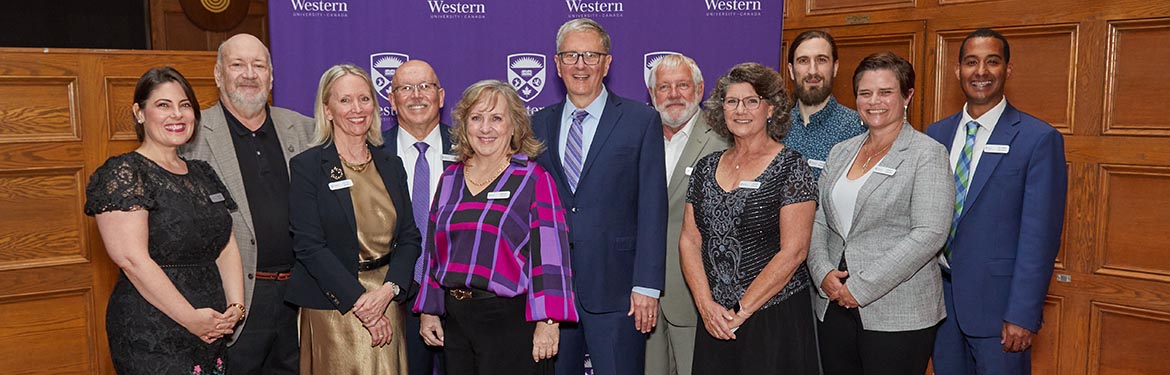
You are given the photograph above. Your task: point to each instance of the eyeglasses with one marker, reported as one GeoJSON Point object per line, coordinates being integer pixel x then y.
{"type": "Point", "coordinates": [663, 88]}
{"type": "Point", "coordinates": [751, 102]}
{"type": "Point", "coordinates": [421, 88]}
{"type": "Point", "coordinates": [591, 58]}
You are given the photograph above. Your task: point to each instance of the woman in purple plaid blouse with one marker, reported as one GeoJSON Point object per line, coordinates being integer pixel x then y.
{"type": "Point", "coordinates": [497, 254]}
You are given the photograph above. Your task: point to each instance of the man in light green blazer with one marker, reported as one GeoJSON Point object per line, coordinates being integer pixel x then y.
{"type": "Point", "coordinates": [676, 87]}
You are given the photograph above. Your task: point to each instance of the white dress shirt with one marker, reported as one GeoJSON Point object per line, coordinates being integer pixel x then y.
{"type": "Point", "coordinates": [409, 156]}
{"type": "Point", "coordinates": [675, 145]}
{"type": "Point", "coordinates": [987, 124]}
{"type": "Point", "coordinates": [588, 125]}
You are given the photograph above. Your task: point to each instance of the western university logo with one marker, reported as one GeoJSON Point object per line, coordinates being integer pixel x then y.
{"type": "Point", "coordinates": [651, 59]}
{"type": "Point", "coordinates": [733, 8]}
{"type": "Point", "coordinates": [382, 68]}
{"type": "Point", "coordinates": [310, 8]}
{"type": "Point", "coordinates": [587, 8]}
{"type": "Point", "coordinates": [441, 9]}
{"type": "Point", "coordinates": [526, 73]}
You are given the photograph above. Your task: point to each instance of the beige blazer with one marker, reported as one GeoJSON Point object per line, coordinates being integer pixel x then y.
{"type": "Point", "coordinates": [678, 307]}
{"type": "Point", "coordinates": [213, 143]}
{"type": "Point", "coordinates": [902, 216]}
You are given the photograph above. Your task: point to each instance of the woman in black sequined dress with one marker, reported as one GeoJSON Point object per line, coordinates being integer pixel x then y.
{"type": "Point", "coordinates": [165, 222]}
{"type": "Point", "coordinates": [746, 233]}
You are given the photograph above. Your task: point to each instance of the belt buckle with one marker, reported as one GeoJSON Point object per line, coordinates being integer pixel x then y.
{"type": "Point", "coordinates": [460, 294]}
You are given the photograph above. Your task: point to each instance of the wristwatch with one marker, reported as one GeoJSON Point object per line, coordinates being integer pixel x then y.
{"type": "Point", "coordinates": [394, 287]}
{"type": "Point", "coordinates": [549, 321]}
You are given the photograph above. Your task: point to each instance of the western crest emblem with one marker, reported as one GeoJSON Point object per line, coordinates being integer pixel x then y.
{"type": "Point", "coordinates": [382, 68]}
{"type": "Point", "coordinates": [526, 73]}
{"type": "Point", "coordinates": [651, 59]}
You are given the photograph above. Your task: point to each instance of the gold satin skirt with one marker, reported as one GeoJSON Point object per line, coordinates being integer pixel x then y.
{"type": "Point", "coordinates": [332, 343]}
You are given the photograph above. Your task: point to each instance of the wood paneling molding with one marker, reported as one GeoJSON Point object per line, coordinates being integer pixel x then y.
{"type": "Point", "coordinates": [1134, 102]}
{"type": "Point", "coordinates": [1128, 247]}
{"type": "Point", "coordinates": [38, 109]}
{"type": "Point", "coordinates": [1124, 340]}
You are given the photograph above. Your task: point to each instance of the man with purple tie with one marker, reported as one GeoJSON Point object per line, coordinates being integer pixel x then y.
{"type": "Point", "coordinates": [606, 155]}
{"type": "Point", "coordinates": [424, 145]}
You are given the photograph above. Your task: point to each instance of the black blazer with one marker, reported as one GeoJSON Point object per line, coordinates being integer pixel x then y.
{"type": "Point", "coordinates": [325, 234]}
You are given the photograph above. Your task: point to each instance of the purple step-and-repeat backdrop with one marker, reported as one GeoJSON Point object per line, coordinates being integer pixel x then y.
{"type": "Point", "coordinates": [509, 40]}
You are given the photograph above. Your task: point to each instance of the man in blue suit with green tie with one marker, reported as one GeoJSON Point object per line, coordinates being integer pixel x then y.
{"type": "Point", "coordinates": [1010, 182]}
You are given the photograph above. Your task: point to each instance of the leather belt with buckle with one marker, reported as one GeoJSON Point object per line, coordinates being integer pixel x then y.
{"type": "Point", "coordinates": [465, 294]}
{"type": "Point", "coordinates": [279, 276]}
{"type": "Point", "coordinates": [373, 264]}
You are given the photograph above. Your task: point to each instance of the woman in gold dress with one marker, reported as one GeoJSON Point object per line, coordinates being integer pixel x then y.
{"type": "Point", "coordinates": [353, 253]}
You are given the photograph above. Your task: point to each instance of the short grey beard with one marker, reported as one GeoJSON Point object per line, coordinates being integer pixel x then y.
{"type": "Point", "coordinates": [677, 123]}
{"type": "Point", "coordinates": [247, 106]}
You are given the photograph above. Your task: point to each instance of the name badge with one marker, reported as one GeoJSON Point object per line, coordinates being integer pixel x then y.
{"type": "Point", "coordinates": [449, 158]}
{"type": "Point", "coordinates": [818, 164]}
{"type": "Point", "coordinates": [884, 170]}
{"type": "Point", "coordinates": [338, 185]}
{"type": "Point", "coordinates": [499, 194]}
{"type": "Point", "coordinates": [216, 198]}
{"type": "Point", "coordinates": [749, 184]}
{"type": "Point", "coordinates": [688, 170]}
{"type": "Point", "coordinates": [996, 149]}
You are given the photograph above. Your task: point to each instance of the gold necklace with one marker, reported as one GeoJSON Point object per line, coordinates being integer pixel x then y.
{"type": "Point", "coordinates": [356, 167]}
{"type": "Point", "coordinates": [490, 178]}
{"type": "Point", "coordinates": [872, 154]}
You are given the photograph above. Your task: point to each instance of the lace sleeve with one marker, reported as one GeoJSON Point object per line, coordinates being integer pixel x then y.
{"type": "Point", "coordinates": [117, 185]}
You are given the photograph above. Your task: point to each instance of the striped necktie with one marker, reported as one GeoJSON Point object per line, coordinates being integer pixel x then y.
{"type": "Point", "coordinates": [962, 181]}
{"type": "Point", "coordinates": [420, 200]}
{"type": "Point", "coordinates": [573, 149]}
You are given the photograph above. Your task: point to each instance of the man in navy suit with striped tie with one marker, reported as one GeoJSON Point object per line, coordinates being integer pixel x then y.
{"type": "Point", "coordinates": [423, 144]}
{"type": "Point", "coordinates": [1010, 187]}
{"type": "Point", "coordinates": [606, 154]}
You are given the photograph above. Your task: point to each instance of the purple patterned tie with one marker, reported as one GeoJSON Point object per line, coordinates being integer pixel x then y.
{"type": "Point", "coordinates": [573, 154]}
{"type": "Point", "coordinates": [420, 199]}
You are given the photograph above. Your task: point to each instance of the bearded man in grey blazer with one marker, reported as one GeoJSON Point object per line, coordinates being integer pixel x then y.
{"type": "Point", "coordinates": [249, 143]}
{"type": "Point", "coordinates": [676, 88]}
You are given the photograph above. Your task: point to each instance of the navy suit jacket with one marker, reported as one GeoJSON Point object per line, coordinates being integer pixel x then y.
{"type": "Point", "coordinates": [1008, 235]}
{"type": "Point", "coordinates": [325, 233]}
{"type": "Point", "coordinates": [390, 140]}
{"type": "Point", "coordinates": [617, 216]}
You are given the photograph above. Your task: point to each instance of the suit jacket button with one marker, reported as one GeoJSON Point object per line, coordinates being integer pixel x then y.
{"type": "Point", "coordinates": [574, 209]}
{"type": "Point", "coordinates": [251, 276]}
{"type": "Point", "coordinates": [253, 241]}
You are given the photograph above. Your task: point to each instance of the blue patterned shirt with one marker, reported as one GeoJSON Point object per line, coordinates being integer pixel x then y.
{"type": "Point", "coordinates": [826, 128]}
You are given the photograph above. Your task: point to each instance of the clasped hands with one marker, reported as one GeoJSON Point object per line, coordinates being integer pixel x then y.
{"type": "Point", "coordinates": [836, 289]}
{"type": "Point", "coordinates": [370, 309]}
{"type": "Point", "coordinates": [721, 322]}
{"type": "Point", "coordinates": [210, 325]}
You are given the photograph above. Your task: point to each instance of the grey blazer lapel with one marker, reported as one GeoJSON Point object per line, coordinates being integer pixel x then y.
{"type": "Point", "coordinates": [892, 160]}
{"type": "Point", "coordinates": [701, 134]}
{"type": "Point", "coordinates": [291, 138]}
{"type": "Point", "coordinates": [223, 151]}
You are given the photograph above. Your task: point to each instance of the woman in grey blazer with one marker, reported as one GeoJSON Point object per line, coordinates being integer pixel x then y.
{"type": "Point", "coordinates": [886, 202]}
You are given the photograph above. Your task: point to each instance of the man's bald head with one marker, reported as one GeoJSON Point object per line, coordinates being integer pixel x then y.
{"type": "Point", "coordinates": [243, 73]}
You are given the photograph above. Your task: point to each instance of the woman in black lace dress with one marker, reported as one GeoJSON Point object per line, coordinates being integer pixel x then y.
{"type": "Point", "coordinates": [746, 233]}
{"type": "Point", "coordinates": [165, 222]}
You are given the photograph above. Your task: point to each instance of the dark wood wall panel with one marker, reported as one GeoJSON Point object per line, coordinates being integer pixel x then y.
{"type": "Point", "coordinates": [1125, 340]}
{"type": "Point", "coordinates": [38, 108]}
{"type": "Point", "coordinates": [1129, 248]}
{"type": "Point", "coordinates": [1135, 101]}
{"type": "Point", "coordinates": [170, 28]}
{"type": "Point", "coordinates": [1046, 346]}
{"type": "Point", "coordinates": [50, 223]}
{"type": "Point", "coordinates": [848, 6]}
{"type": "Point", "coordinates": [44, 338]}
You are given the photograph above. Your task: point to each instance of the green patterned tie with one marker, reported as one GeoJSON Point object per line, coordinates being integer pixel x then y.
{"type": "Point", "coordinates": [962, 181]}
